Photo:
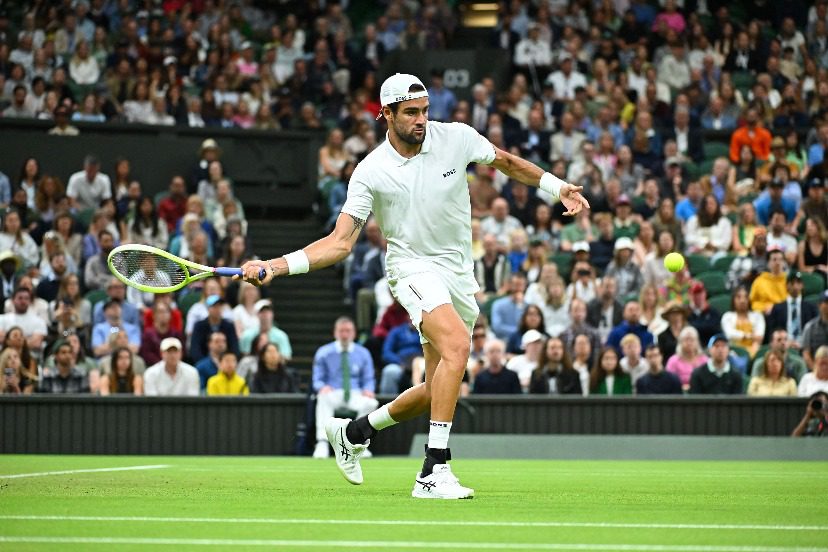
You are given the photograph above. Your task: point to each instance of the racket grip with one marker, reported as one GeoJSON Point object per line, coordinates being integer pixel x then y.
{"type": "Point", "coordinates": [225, 271]}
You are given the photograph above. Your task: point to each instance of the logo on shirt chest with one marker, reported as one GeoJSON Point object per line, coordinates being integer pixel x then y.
{"type": "Point", "coordinates": [449, 173]}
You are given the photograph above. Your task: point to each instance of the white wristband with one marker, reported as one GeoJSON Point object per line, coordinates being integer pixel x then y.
{"type": "Point", "coordinates": [551, 184]}
{"type": "Point", "coordinates": [297, 262]}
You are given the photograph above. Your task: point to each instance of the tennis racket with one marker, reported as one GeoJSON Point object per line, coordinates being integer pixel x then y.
{"type": "Point", "coordinates": [154, 270]}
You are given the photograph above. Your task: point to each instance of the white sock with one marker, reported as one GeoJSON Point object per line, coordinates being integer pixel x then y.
{"type": "Point", "coordinates": [381, 418]}
{"type": "Point", "coordinates": [438, 434]}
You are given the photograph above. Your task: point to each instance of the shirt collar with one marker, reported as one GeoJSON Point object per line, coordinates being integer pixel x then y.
{"type": "Point", "coordinates": [713, 370]}
{"type": "Point", "coordinates": [398, 159]}
{"type": "Point", "coordinates": [340, 349]}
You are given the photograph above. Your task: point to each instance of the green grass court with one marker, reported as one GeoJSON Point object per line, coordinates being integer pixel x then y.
{"type": "Point", "coordinates": [241, 503]}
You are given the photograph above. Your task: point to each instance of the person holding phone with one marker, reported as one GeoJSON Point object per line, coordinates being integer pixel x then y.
{"type": "Point", "coordinates": [815, 421]}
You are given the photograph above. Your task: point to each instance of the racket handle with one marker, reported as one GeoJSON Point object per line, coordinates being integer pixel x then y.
{"type": "Point", "coordinates": [225, 271]}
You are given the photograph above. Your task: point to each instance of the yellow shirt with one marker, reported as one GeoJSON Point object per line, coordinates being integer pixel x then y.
{"type": "Point", "coordinates": [765, 387]}
{"type": "Point", "coordinates": [222, 385]}
{"type": "Point", "coordinates": [767, 290]}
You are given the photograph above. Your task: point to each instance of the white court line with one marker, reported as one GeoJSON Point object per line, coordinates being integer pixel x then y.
{"type": "Point", "coordinates": [401, 544]}
{"type": "Point", "coordinates": [95, 470]}
{"type": "Point", "coordinates": [458, 523]}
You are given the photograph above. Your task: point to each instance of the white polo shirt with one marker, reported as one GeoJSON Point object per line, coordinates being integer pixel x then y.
{"type": "Point", "coordinates": [89, 194]}
{"type": "Point", "coordinates": [157, 382]}
{"type": "Point", "coordinates": [422, 204]}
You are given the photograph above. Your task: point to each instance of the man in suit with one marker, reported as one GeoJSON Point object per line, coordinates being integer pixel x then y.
{"type": "Point", "coordinates": [791, 314]}
{"type": "Point", "coordinates": [534, 142]}
{"type": "Point", "coordinates": [688, 140]}
{"type": "Point", "coordinates": [566, 144]}
{"type": "Point", "coordinates": [605, 311]}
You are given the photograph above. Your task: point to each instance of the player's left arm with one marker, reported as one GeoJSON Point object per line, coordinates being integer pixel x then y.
{"type": "Point", "coordinates": [530, 174]}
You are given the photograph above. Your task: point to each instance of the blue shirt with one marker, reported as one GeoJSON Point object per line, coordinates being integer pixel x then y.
{"type": "Point", "coordinates": [624, 328]}
{"type": "Point", "coordinates": [102, 331]}
{"type": "Point", "coordinates": [327, 367]}
{"type": "Point", "coordinates": [685, 209]}
{"type": "Point", "coordinates": [5, 189]}
{"type": "Point", "coordinates": [401, 343]}
{"type": "Point", "coordinates": [595, 131]}
{"type": "Point", "coordinates": [440, 104]}
{"type": "Point", "coordinates": [763, 205]}
{"type": "Point", "coordinates": [129, 313]}
{"type": "Point", "coordinates": [816, 153]}
{"type": "Point", "coordinates": [206, 369]}
{"type": "Point", "coordinates": [506, 316]}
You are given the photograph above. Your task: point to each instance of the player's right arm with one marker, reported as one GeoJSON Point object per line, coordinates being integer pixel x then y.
{"type": "Point", "coordinates": [322, 253]}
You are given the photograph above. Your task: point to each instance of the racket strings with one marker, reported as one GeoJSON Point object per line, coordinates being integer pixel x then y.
{"type": "Point", "coordinates": [148, 269]}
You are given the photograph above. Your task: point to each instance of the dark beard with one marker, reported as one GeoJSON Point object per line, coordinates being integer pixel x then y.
{"type": "Point", "coordinates": [410, 138]}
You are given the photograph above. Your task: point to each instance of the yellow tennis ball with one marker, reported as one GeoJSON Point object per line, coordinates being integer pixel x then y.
{"type": "Point", "coordinates": [674, 262]}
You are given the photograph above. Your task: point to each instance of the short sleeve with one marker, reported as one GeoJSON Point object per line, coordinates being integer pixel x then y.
{"type": "Point", "coordinates": [72, 188]}
{"type": "Point", "coordinates": [478, 148]}
{"type": "Point", "coordinates": [360, 198]}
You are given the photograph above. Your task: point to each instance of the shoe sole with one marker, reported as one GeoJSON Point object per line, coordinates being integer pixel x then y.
{"type": "Point", "coordinates": [331, 431]}
{"type": "Point", "coordinates": [467, 497]}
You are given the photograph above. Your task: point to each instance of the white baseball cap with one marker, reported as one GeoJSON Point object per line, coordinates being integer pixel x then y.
{"type": "Point", "coordinates": [395, 89]}
{"type": "Point", "coordinates": [170, 343]}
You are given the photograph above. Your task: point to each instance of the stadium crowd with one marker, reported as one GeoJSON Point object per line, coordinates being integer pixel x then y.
{"type": "Point", "coordinates": [695, 126]}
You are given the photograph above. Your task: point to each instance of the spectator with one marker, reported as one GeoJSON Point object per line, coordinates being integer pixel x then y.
{"type": "Point", "coordinates": [146, 227]}
{"type": "Point", "coordinates": [566, 80]}
{"type": "Point", "coordinates": [813, 249]}
{"type": "Point", "coordinates": [209, 365]}
{"type": "Point", "coordinates": [160, 329]}
{"type": "Point", "coordinates": [500, 223]}
{"type": "Point", "coordinates": [16, 340]}
{"type": "Point", "coordinates": [716, 376]}
{"type": "Point", "coordinates": [23, 317]}
{"type": "Point", "coordinates": [343, 378]}
{"type": "Point", "coordinates": [703, 317]}
{"type": "Point", "coordinates": [170, 376]}
{"type": "Point", "coordinates": [630, 324]}
{"type": "Point", "coordinates": [14, 237]}
{"type": "Point", "coordinates": [272, 375]}
{"type": "Point", "coordinates": [492, 270]}
{"type": "Point", "coordinates": [525, 364]}
{"type": "Point", "coordinates": [795, 366]}
{"type": "Point", "coordinates": [793, 313]}
{"type": "Point", "coordinates": [779, 239]}
{"type": "Point", "coordinates": [171, 209]}
{"type": "Point", "coordinates": [66, 378]}
{"type": "Point", "coordinates": [227, 381]}
{"type": "Point", "coordinates": [494, 378]}
{"type": "Point", "coordinates": [111, 324]}
{"type": "Point", "coordinates": [400, 348]}
{"type": "Point", "coordinates": [753, 135]}
{"type": "Point", "coordinates": [244, 313]}
{"type": "Point", "coordinates": [62, 126]}
{"type": "Point", "coordinates": [441, 100]}
{"type": "Point", "coordinates": [214, 322]}
{"type": "Point", "coordinates": [626, 273]}
{"type": "Point", "coordinates": [199, 310]}
{"type": "Point", "coordinates": [688, 355]}
{"type": "Point", "coordinates": [554, 374]}
{"type": "Point", "coordinates": [96, 272]}
{"type": "Point", "coordinates": [773, 380]}
{"type": "Point", "coordinates": [769, 287]}
{"type": "Point", "coordinates": [122, 378]}
{"type": "Point", "coordinates": [13, 380]}
{"type": "Point", "coordinates": [815, 421]}
{"type": "Point", "coordinates": [709, 232]}
{"type": "Point", "coordinates": [506, 311]}
{"type": "Point", "coordinates": [742, 326]}
{"type": "Point", "coordinates": [632, 362]}
{"type": "Point", "coordinates": [657, 381]}
{"type": "Point", "coordinates": [20, 108]}
{"type": "Point", "coordinates": [566, 144]}
{"type": "Point", "coordinates": [605, 311]}
{"type": "Point", "coordinates": [815, 334]}
{"type": "Point", "coordinates": [264, 324]}
{"type": "Point", "coordinates": [607, 377]}
{"type": "Point", "coordinates": [674, 70]}
{"type": "Point", "coordinates": [815, 205]}
{"type": "Point", "coordinates": [531, 319]}
{"type": "Point", "coordinates": [87, 188]}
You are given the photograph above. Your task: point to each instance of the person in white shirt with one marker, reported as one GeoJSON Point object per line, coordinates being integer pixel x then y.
{"type": "Point", "coordinates": [500, 223]}
{"type": "Point", "coordinates": [88, 187]}
{"type": "Point", "coordinates": [33, 327]}
{"type": "Point", "coordinates": [632, 362]}
{"type": "Point", "coordinates": [817, 380]}
{"type": "Point", "coordinates": [523, 365]}
{"type": "Point", "coordinates": [415, 184]}
{"type": "Point", "coordinates": [566, 79]}
{"type": "Point", "coordinates": [170, 376]}
{"type": "Point", "coordinates": [532, 53]}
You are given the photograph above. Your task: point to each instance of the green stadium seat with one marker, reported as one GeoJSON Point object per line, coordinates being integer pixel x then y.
{"type": "Point", "coordinates": [486, 308]}
{"type": "Point", "coordinates": [95, 296]}
{"type": "Point", "coordinates": [814, 298]}
{"type": "Point", "coordinates": [714, 282]}
{"type": "Point", "coordinates": [563, 260]}
{"type": "Point", "coordinates": [742, 352]}
{"type": "Point", "coordinates": [742, 80]}
{"type": "Point", "coordinates": [697, 263]}
{"type": "Point", "coordinates": [720, 302]}
{"type": "Point", "coordinates": [760, 352]}
{"type": "Point", "coordinates": [84, 217]}
{"type": "Point", "coordinates": [706, 168]}
{"type": "Point", "coordinates": [713, 149]}
{"type": "Point", "coordinates": [814, 283]}
{"type": "Point", "coordinates": [722, 264]}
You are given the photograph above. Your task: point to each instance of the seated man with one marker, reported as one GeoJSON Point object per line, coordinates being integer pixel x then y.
{"type": "Point", "coordinates": [343, 378]}
{"type": "Point", "coordinates": [116, 291]}
{"type": "Point", "coordinates": [33, 327]}
{"type": "Point", "coordinates": [657, 381]}
{"type": "Point", "coordinates": [65, 377]}
{"type": "Point", "coordinates": [227, 381]}
{"type": "Point", "coordinates": [495, 378]}
{"type": "Point", "coordinates": [214, 322]}
{"type": "Point", "coordinates": [112, 323]}
{"type": "Point", "coordinates": [170, 376]}
{"type": "Point", "coordinates": [716, 377]}
{"type": "Point", "coordinates": [779, 342]}
{"type": "Point", "coordinates": [209, 365]}
{"type": "Point", "coordinates": [264, 312]}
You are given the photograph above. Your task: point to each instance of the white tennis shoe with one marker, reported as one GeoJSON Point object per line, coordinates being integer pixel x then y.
{"type": "Point", "coordinates": [347, 454]}
{"type": "Point", "coordinates": [440, 484]}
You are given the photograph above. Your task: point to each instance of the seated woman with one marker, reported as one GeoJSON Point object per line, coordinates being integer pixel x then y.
{"type": "Point", "coordinates": [607, 377]}
{"type": "Point", "coordinates": [774, 380]}
{"type": "Point", "coordinates": [122, 378]}
{"type": "Point", "coordinates": [15, 238]}
{"type": "Point", "coordinates": [687, 357]}
{"type": "Point", "coordinates": [709, 232]}
{"type": "Point", "coordinates": [743, 326]}
{"type": "Point", "coordinates": [146, 227]}
{"type": "Point", "coordinates": [272, 374]}
{"type": "Point", "coordinates": [531, 319]}
{"type": "Point", "coordinates": [13, 380]}
{"type": "Point", "coordinates": [28, 364]}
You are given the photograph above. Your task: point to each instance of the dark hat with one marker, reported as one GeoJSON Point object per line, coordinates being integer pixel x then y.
{"type": "Point", "coordinates": [777, 183]}
{"type": "Point", "coordinates": [794, 275]}
{"type": "Point", "coordinates": [623, 199]}
{"type": "Point", "coordinates": [715, 338]}
{"type": "Point", "coordinates": [816, 182]}
{"type": "Point", "coordinates": [675, 306]}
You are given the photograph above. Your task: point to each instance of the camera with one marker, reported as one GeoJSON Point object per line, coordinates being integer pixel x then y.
{"type": "Point", "coordinates": [817, 405]}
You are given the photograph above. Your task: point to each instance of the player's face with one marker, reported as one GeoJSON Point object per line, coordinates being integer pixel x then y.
{"type": "Point", "coordinates": [409, 124]}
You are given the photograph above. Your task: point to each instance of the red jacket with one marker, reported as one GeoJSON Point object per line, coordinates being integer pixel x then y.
{"type": "Point", "coordinates": [759, 140]}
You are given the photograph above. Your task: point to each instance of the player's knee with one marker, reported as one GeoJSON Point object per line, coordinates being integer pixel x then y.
{"type": "Point", "coordinates": [455, 353]}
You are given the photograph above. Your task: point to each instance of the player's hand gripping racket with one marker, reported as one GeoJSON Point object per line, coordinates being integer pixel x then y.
{"type": "Point", "coordinates": [154, 270]}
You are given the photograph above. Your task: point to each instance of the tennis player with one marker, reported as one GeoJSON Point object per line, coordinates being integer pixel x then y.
{"type": "Point", "coordinates": [415, 184]}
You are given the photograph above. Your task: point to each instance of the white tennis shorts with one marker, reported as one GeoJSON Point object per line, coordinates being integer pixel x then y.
{"type": "Point", "coordinates": [423, 290]}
